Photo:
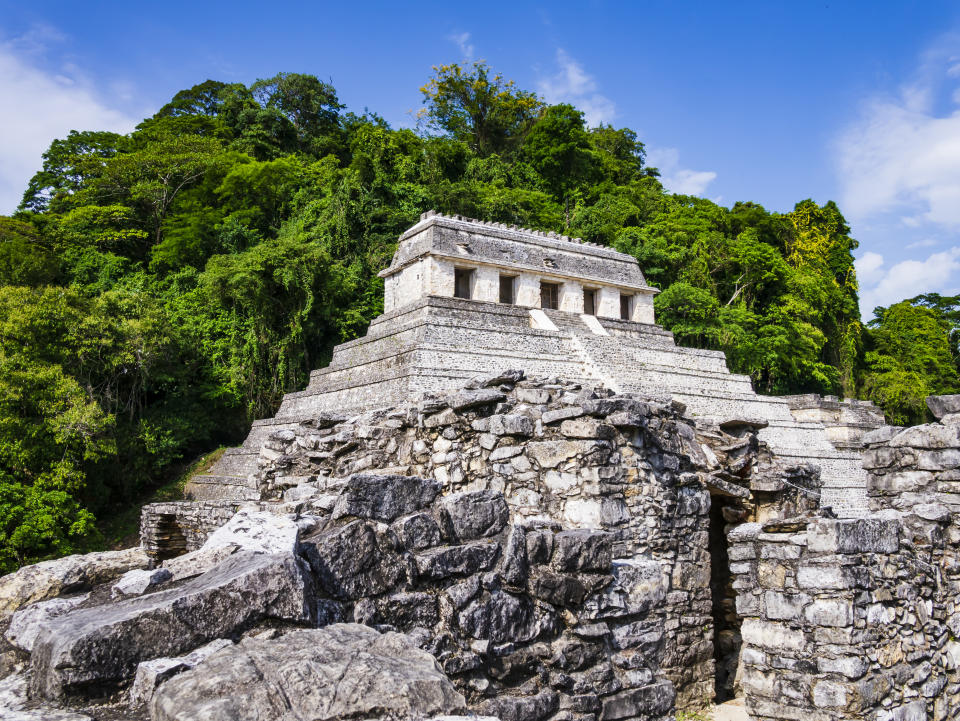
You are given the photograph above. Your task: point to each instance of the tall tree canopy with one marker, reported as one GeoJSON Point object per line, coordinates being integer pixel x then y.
{"type": "Point", "coordinates": [161, 289]}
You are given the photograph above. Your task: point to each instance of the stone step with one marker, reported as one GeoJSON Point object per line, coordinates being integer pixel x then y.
{"type": "Point", "coordinates": [218, 488]}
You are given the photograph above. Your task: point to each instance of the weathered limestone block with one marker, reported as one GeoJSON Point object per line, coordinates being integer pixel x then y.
{"type": "Point", "coordinates": [338, 672]}
{"type": "Point", "coordinates": [257, 531]}
{"type": "Point", "coordinates": [151, 674]}
{"type": "Point", "coordinates": [26, 624]}
{"type": "Point", "coordinates": [928, 436]}
{"type": "Point", "coordinates": [467, 399]}
{"type": "Point", "coordinates": [101, 645]}
{"type": "Point", "coordinates": [16, 706]}
{"type": "Point", "coordinates": [476, 514]}
{"type": "Point", "coordinates": [417, 531]}
{"type": "Point", "coordinates": [583, 550]}
{"type": "Point", "coordinates": [138, 581]}
{"type": "Point", "coordinates": [465, 560]}
{"type": "Point", "coordinates": [65, 575]}
{"type": "Point", "coordinates": [522, 708]}
{"type": "Point", "coordinates": [652, 700]}
{"type": "Point", "coordinates": [351, 562]}
{"type": "Point", "coordinates": [198, 562]}
{"type": "Point", "coordinates": [384, 497]}
{"type": "Point", "coordinates": [868, 535]}
{"type": "Point", "coordinates": [942, 405]}
{"type": "Point", "coordinates": [550, 454]}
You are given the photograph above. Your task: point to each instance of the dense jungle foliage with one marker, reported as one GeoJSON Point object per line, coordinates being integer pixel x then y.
{"type": "Point", "coordinates": [159, 290]}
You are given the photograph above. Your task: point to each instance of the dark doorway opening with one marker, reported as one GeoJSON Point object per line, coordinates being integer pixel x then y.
{"type": "Point", "coordinates": [169, 538]}
{"type": "Point", "coordinates": [549, 296]}
{"type": "Point", "coordinates": [589, 302]}
{"type": "Point", "coordinates": [462, 283]}
{"type": "Point", "coordinates": [506, 289]}
{"type": "Point", "coordinates": [726, 624]}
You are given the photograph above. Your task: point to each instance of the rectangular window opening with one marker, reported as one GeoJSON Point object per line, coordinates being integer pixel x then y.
{"type": "Point", "coordinates": [589, 301]}
{"type": "Point", "coordinates": [626, 306]}
{"type": "Point", "coordinates": [507, 289]}
{"type": "Point", "coordinates": [462, 282]}
{"type": "Point", "coordinates": [549, 296]}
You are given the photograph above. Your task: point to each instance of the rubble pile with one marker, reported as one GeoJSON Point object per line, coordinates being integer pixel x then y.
{"type": "Point", "coordinates": [542, 545]}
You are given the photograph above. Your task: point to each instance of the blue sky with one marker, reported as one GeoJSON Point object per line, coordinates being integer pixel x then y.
{"type": "Point", "coordinates": [858, 102]}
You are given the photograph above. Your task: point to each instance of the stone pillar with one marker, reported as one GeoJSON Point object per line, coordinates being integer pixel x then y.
{"type": "Point", "coordinates": [486, 284]}
{"type": "Point", "coordinates": [528, 290]}
{"type": "Point", "coordinates": [643, 308]}
{"type": "Point", "coordinates": [608, 303]}
{"type": "Point", "coordinates": [571, 297]}
{"type": "Point", "coordinates": [440, 278]}
{"type": "Point", "coordinates": [389, 293]}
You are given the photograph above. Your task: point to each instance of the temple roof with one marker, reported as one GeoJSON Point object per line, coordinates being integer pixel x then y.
{"type": "Point", "coordinates": [456, 238]}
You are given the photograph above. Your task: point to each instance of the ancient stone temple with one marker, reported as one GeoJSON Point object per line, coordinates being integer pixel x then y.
{"type": "Point", "coordinates": [516, 498]}
{"type": "Point", "coordinates": [463, 297]}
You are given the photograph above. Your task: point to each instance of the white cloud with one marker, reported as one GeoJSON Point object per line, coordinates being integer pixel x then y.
{"type": "Point", "coordinates": [869, 268]}
{"type": "Point", "coordinates": [676, 179]}
{"type": "Point", "coordinates": [903, 152]}
{"type": "Point", "coordinates": [884, 286]}
{"type": "Point", "coordinates": [925, 243]}
{"type": "Point", "coordinates": [39, 106]}
{"type": "Point", "coordinates": [572, 84]}
{"type": "Point", "coordinates": [462, 41]}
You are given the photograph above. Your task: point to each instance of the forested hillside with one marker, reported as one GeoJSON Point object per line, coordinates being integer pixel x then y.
{"type": "Point", "coordinates": [160, 290]}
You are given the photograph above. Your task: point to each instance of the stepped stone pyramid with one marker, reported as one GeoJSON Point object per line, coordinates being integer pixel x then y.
{"type": "Point", "coordinates": [464, 297]}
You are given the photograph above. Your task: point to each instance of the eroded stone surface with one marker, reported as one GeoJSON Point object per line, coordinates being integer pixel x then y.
{"type": "Point", "coordinates": [101, 645]}
{"type": "Point", "coordinates": [26, 624]}
{"type": "Point", "coordinates": [344, 671]}
{"type": "Point", "coordinates": [65, 575]}
{"type": "Point", "coordinates": [151, 674]}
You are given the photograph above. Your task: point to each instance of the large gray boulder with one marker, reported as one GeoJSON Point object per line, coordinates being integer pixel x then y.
{"type": "Point", "coordinates": [343, 671]}
{"type": "Point", "coordinates": [943, 405]}
{"type": "Point", "coordinates": [101, 645]}
{"type": "Point", "coordinates": [351, 562]}
{"type": "Point", "coordinates": [50, 579]}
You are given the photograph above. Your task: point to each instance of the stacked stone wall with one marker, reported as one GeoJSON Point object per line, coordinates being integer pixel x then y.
{"type": "Point", "coordinates": [561, 454]}
{"type": "Point", "coordinates": [170, 529]}
{"type": "Point", "coordinates": [846, 421]}
{"type": "Point", "coordinates": [860, 619]}
{"type": "Point", "coordinates": [846, 619]}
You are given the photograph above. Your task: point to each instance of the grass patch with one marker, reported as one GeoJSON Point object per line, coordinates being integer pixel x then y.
{"type": "Point", "coordinates": [122, 529]}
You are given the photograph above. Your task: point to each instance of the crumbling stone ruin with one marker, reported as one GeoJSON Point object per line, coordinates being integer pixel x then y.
{"type": "Point", "coordinates": [547, 544]}
{"type": "Point", "coordinates": [620, 530]}
{"type": "Point", "coordinates": [859, 618]}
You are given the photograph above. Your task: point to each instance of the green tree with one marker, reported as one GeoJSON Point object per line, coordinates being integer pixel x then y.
{"type": "Point", "coordinates": [558, 148]}
{"type": "Point", "coordinates": [25, 256]}
{"type": "Point", "coordinates": [947, 307]}
{"type": "Point", "coordinates": [474, 106]}
{"type": "Point", "coordinates": [908, 358]}
{"type": "Point", "coordinates": [68, 165]}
